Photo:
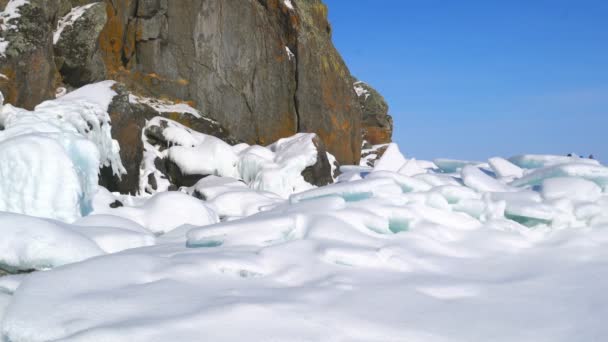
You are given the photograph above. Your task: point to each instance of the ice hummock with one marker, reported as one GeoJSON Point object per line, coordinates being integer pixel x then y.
{"type": "Point", "coordinates": [52, 155]}
{"type": "Point", "coordinates": [253, 246]}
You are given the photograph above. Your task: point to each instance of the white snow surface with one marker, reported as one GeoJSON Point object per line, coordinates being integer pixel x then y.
{"type": "Point", "coordinates": [465, 251]}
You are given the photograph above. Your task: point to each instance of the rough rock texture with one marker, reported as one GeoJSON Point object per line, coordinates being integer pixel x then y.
{"type": "Point", "coordinates": [263, 70]}
{"type": "Point", "coordinates": [320, 173]}
{"type": "Point", "coordinates": [30, 74]}
{"type": "Point", "coordinates": [370, 154]}
{"type": "Point", "coordinates": [128, 120]}
{"type": "Point", "coordinates": [77, 50]}
{"type": "Point", "coordinates": [326, 101]}
{"type": "Point", "coordinates": [376, 125]}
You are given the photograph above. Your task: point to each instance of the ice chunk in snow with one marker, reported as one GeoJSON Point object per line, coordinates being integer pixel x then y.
{"type": "Point", "coordinates": [594, 173]}
{"type": "Point", "coordinates": [210, 187]}
{"type": "Point", "coordinates": [412, 168]}
{"type": "Point", "coordinates": [476, 179]}
{"type": "Point", "coordinates": [110, 221]}
{"type": "Point", "coordinates": [30, 243]}
{"type": "Point", "coordinates": [111, 239]}
{"type": "Point", "coordinates": [504, 168]}
{"type": "Point", "coordinates": [243, 203]}
{"type": "Point", "coordinates": [576, 189]}
{"type": "Point", "coordinates": [453, 165]}
{"type": "Point", "coordinates": [391, 160]}
{"type": "Point", "coordinates": [530, 213]}
{"type": "Point", "coordinates": [454, 194]}
{"type": "Point", "coordinates": [535, 161]}
{"type": "Point", "coordinates": [408, 184]}
{"type": "Point", "coordinates": [352, 191]}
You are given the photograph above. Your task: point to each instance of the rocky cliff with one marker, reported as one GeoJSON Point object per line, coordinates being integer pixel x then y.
{"type": "Point", "coordinates": [264, 69]}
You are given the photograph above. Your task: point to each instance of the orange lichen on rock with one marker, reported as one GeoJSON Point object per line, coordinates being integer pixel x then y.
{"type": "Point", "coordinates": [117, 40]}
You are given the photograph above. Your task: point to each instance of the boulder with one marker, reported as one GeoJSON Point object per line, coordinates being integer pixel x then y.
{"type": "Point", "coordinates": [129, 114]}
{"type": "Point", "coordinates": [76, 44]}
{"type": "Point", "coordinates": [27, 66]}
{"type": "Point", "coordinates": [319, 174]}
{"type": "Point", "coordinates": [376, 124]}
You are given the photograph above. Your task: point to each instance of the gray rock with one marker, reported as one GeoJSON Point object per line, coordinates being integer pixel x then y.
{"type": "Point", "coordinates": [151, 28]}
{"type": "Point", "coordinates": [319, 174]}
{"type": "Point", "coordinates": [377, 125]}
{"type": "Point", "coordinates": [77, 50]}
{"type": "Point", "coordinates": [29, 66]}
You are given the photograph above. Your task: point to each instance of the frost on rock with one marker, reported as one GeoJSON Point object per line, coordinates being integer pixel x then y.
{"type": "Point", "coordinates": [7, 20]}
{"type": "Point", "coordinates": [535, 161]}
{"type": "Point", "coordinates": [163, 106]}
{"type": "Point", "coordinates": [360, 90]}
{"type": "Point", "coordinates": [51, 156]}
{"type": "Point", "coordinates": [69, 20]}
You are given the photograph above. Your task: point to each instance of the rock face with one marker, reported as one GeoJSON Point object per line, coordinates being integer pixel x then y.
{"type": "Point", "coordinates": [29, 75]}
{"type": "Point", "coordinates": [377, 125]}
{"type": "Point", "coordinates": [264, 69]}
{"type": "Point", "coordinates": [76, 47]}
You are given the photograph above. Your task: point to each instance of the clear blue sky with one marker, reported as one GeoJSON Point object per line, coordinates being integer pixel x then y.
{"type": "Point", "coordinates": [474, 79]}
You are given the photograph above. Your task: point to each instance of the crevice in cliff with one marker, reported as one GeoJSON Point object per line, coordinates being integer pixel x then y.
{"type": "Point", "coordinates": [296, 101]}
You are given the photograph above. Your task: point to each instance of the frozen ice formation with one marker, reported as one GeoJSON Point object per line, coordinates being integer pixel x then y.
{"type": "Point", "coordinates": [51, 156]}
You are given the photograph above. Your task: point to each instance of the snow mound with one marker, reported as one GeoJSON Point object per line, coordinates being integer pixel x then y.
{"type": "Point", "coordinates": [35, 244]}
{"type": "Point", "coordinates": [165, 211]}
